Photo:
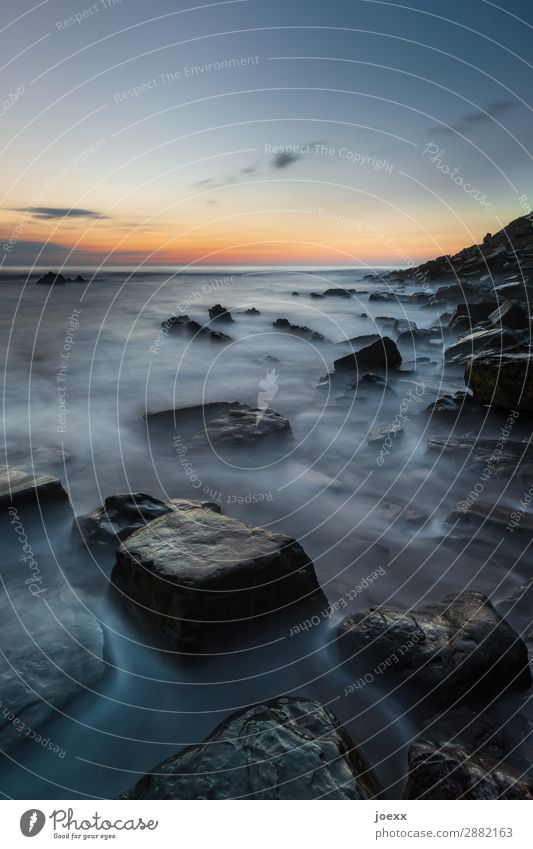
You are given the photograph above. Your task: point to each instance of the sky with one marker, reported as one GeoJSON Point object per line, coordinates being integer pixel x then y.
{"type": "Point", "coordinates": [286, 132]}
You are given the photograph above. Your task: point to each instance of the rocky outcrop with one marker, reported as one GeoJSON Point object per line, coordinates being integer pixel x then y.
{"type": "Point", "coordinates": [190, 573]}
{"type": "Point", "coordinates": [452, 406]}
{"type": "Point", "coordinates": [296, 330]}
{"type": "Point", "coordinates": [17, 487]}
{"type": "Point", "coordinates": [220, 313]}
{"type": "Point", "coordinates": [510, 314]}
{"type": "Point", "coordinates": [184, 324]}
{"type": "Point", "coordinates": [225, 424]}
{"type": "Point", "coordinates": [50, 653]}
{"type": "Point", "coordinates": [468, 315]}
{"type": "Point", "coordinates": [52, 279]}
{"type": "Point", "coordinates": [505, 380]}
{"type": "Point", "coordinates": [482, 340]}
{"type": "Point", "coordinates": [382, 354]}
{"type": "Point", "coordinates": [121, 515]}
{"type": "Point", "coordinates": [457, 649]}
{"type": "Point", "coordinates": [290, 748]}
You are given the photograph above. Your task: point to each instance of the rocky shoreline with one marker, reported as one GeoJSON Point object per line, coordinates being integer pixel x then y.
{"type": "Point", "coordinates": [188, 574]}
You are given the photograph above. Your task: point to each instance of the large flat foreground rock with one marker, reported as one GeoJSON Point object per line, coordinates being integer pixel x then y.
{"type": "Point", "coordinates": [284, 749]}
{"type": "Point", "coordinates": [191, 572]}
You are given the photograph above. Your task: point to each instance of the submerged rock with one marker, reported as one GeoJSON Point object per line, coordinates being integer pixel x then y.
{"type": "Point", "coordinates": [17, 486]}
{"type": "Point", "coordinates": [182, 323]}
{"type": "Point", "coordinates": [51, 279]}
{"type": "Point", "coordinates": [224, 423]}
{"type": "Point", "coordinates": [220, 313]}
{"type": "Point", "coordinates": [56, 649]}
{"type": "Point", "coordinates": [383, 353]}
{"type": "Point", "coordinates": [505, 380]}
{"type": "Point", "coordinates": [190, 573]}
{"type": "Point", "coordinates": [457, 649]}
{"type": "Point", "coordinates": [121, 515]}
{"type": "Point", "coordinates": [284, 324]}
{"type": "Point", "coordinates": [289, 748]}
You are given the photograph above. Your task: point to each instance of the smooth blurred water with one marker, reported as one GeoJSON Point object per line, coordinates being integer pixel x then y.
{"type": "Point", "coordinates": [326, 488]}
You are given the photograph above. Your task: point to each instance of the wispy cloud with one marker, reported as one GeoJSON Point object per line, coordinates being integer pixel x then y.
{"type": "Point", "coordinates": [478, 117]}
{"type": "Point", "coordinates": [47, 213]}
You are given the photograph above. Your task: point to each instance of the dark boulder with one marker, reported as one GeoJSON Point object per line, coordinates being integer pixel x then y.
{"type": "Point", "coordinates": [289, 748]}
{"type": "Point", "coordinates": [193, 574]}
{"type": "Point", "coordinates": [382, 354]}
{"type": "Point", "coordinates": [505, 380]}
{"type": "Point", "coordinates": [252, 311]}
{"type": "Point", "coordinates": [457, 649]}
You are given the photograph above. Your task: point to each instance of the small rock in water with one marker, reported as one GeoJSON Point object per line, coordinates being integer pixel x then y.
{"type": "Point", "coordinates": [219, 313]}
{"type": "Point", "coordinates": [17, 486]}
{"type": "Point", "coordinates": [284, 324]}
{"type": "Point", "coordinates": [383, 353]}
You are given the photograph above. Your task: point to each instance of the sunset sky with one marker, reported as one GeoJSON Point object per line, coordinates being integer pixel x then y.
{"type": "Point", "coordinates": [157, 132]}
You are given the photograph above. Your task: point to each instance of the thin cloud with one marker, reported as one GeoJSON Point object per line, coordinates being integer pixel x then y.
{"type": "Point", "coordinates": [47, 213]}
{"type": "Point", "coordinates": [476, 118]}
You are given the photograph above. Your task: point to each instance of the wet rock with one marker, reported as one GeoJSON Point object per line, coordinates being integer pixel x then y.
{"type": "Point", "coordinates": [295, 294]}
{"type": "Point", "coordinates": [511, 315]}
{"type": "Point", "coordinates": [284, 324]}
{"type": "Point", "coordinates": [252, 311]}
{"type": "Point", "coordinates": [121, 515]}
{"type": "Point", "coordinates": [316, 295]}
{"type": "Point", "coordinates": [223, 423]}
{"type": "Point", "coordinates": [289, 748]}
{"type": "Point", "coordinates": [457, 649]}
{"type": "Point", "coordinates": [505, 380]}
{"type": "Point", "coordinates": [17, 487]}
{"type": "Point", "coordinates": [220, 313]}
{"type": "Point", "coordinates": [380, 354]}
{"type": "Point", "coordinates": [56, 648]}
{"type": "Point", "coordinates": [416, 334]}
{"type": "Point", "coordinates": [456, 769]}
{"type": "Point", "coordinates": [192, 572]}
